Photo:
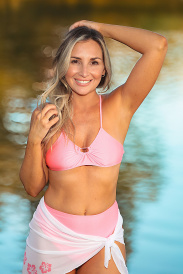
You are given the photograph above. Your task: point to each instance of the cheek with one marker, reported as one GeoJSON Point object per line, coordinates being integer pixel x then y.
{"type": "Point", "coordinates": [97, 73]}
{"type": "Point", "coordinates": [70, 74]}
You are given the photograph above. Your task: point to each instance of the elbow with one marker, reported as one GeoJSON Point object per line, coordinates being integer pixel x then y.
{"type": "Point", "coordinates": [31, 190]}
{"type": "Point", "coordinates": [162, 44]}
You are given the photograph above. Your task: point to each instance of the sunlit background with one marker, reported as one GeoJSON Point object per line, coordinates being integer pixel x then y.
{"type": "Point", "coordinates": [150, 185]}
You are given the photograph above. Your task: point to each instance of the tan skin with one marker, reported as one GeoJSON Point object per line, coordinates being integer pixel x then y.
{"type": "Point", "coordinates": [88, 190]}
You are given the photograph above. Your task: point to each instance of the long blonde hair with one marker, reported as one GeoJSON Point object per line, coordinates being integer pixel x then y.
{"type": "Point", "coordinates": [59, 93]}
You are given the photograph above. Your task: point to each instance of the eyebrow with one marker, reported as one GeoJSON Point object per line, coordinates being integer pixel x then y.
{"type": "Point", "coordinates": [91, 58]}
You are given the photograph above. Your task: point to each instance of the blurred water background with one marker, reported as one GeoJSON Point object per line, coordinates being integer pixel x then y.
{"type": "Point", "coordinates": [150, 185]}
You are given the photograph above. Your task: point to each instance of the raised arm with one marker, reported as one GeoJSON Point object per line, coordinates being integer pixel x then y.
{"type": "Point", "coordinates": [33, 172]}
{"type": "Point", "coordinates": [153, 48]}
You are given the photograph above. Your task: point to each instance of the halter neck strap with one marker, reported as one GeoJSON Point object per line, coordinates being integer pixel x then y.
{"type": "Point", "coordinates": [100, 111]}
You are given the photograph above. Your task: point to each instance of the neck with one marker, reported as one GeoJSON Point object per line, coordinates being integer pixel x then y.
{"type": "Point", "coordinates": [84, 102]}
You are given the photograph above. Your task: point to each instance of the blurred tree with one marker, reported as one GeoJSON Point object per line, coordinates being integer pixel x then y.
{"type": "Point", "coordinates": [133, 4]}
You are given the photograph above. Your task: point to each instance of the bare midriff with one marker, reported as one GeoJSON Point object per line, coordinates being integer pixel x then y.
{"type": "Point", "coordinates": [84, 190]}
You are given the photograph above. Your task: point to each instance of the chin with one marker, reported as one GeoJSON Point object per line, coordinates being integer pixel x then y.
{"type": "Point", "coordinates": [83, 93]}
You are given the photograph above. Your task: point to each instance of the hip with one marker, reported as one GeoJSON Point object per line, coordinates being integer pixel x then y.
{"type": "Point", "coordinates": [102, 224]}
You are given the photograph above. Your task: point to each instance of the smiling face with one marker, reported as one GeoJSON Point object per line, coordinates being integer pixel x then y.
{"type": "Point", "coordinates": [86, 67]}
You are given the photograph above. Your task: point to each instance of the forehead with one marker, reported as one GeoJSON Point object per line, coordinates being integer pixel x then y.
{"type": "Point", "coordinates": [87, 48]}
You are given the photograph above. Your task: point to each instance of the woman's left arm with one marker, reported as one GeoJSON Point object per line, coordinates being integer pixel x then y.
{"type": "Point", "coordinates": [143, 76]}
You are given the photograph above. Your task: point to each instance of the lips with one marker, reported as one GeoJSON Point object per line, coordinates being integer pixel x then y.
{"type": "Point", "coordinates": [82, 82]}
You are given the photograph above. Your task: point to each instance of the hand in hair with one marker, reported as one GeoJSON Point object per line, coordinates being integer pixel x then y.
{"type": "Point", "coordinates": [89, 24]}
{"type": "Point", "coordinates": [41, 122]}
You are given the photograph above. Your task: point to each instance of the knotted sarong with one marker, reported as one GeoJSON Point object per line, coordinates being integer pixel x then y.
{"type": "Point", "coordinates": [52, 247]}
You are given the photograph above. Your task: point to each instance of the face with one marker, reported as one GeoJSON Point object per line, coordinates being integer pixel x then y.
{"type": "Point", "coordinates": [86, 67]}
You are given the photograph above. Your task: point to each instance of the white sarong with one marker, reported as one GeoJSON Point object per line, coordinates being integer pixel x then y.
{"type": "Point", "coordinates": [53, 248]}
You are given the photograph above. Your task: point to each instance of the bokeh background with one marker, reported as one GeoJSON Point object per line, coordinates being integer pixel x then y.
{"type": "Point", "coordinates": [150, 185]}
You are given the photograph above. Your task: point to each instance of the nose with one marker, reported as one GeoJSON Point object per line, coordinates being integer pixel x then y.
{"type": "Point", "coordinates": [84, 71]}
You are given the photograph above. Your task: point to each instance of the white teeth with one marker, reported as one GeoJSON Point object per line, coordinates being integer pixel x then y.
{"type": "Point", "coordinates": [83, 82]}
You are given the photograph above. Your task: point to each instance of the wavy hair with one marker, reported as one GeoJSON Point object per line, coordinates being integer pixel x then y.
{"type": "Point", "coordinates": [58, 91]}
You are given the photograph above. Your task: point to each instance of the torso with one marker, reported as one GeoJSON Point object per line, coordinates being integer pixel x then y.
{"type": "Point", "coordinates": [88, 190]}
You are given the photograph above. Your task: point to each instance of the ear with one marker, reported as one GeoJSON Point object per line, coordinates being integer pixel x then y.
{"type": "Point", "coordinates": [103, 72]}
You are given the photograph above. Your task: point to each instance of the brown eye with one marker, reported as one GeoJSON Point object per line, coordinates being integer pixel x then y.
{"type": "Point", "coordinates": [74, 61]}
{"type": "Point", "coordinates": [94, 63]}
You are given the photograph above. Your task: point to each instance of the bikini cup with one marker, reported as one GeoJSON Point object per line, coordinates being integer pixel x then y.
{"type": "Point", "coordinates": [104, 151]}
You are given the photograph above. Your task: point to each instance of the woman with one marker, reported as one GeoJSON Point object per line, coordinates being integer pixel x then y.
{"type": "Point", "coordinates": [76, 143]}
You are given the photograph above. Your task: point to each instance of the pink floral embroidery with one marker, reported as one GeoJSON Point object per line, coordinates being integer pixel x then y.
{"type": "Point", "coordinates": [31, 269]}
{"type": "Point", "coordinates": [25, 258]}
{"type": "Point", "coordinates": [44, 267]}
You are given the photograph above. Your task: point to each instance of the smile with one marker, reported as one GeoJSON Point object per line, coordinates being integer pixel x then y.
{"type": "Point", "coordinates": [83, 81]}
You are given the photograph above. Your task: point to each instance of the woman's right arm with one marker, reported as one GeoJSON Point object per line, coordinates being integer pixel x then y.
{"type": "Point", "coordinates": [33, 172]}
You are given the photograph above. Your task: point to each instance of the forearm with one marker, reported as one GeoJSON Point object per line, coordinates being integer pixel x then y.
{"type": "Point", "coordinates": [138, 39]}
{"type": "Point", "coordinates": [32, 172]}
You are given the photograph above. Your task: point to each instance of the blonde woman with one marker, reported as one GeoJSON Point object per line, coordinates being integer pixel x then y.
{"type": "Point", "coordinates": [76, 143]}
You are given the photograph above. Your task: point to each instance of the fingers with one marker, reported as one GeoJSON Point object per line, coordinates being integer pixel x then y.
{"type": "Point", "coordinates": [77, 24]}
{"type": "Point", "coordinates": [47, 114]}
{"type": "Point", "coordinates": [42, 121]}
{"type": "Point", "coordinates": [47, 108]}
{"type": "Point", "coordinates": [50, 117]}
{"type": "Point", "coordinates": [50, 114]}
{"type": "Point", "coordinates": [42, 112]}
{"type": "Point", "coordinates": [86, 23]}
{"type": "Point", "coordinates": [53, 121]}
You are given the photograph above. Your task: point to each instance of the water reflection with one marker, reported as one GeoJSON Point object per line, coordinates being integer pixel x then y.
{"type": "Point", "coordinates": [16, 119]}
{"type": "Point", "coordinates": [15, 212]}
{"type": "Point", "coordinates": [152, 163]}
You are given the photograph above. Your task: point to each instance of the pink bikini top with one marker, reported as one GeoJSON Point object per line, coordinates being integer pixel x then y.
{"type": "Point", "coordinates": [105, 151]}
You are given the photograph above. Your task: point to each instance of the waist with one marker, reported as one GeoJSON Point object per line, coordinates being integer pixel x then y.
{"type": "Point", "coordinates": [102, 224]}
{"type": "Point", "coordinates": [80, 196]}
